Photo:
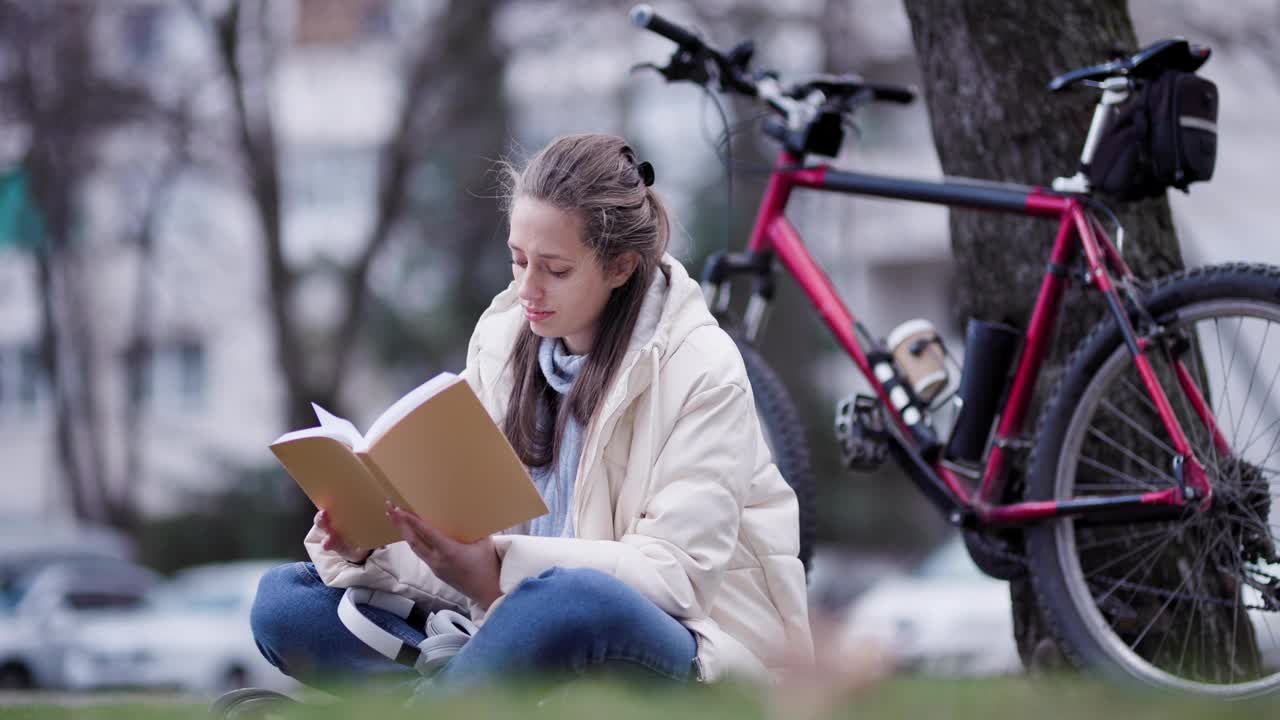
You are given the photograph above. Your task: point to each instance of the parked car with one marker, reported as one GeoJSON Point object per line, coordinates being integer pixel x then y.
{"type": "Point", "coordinates": [945, 618]}
{"type": "Point", "coordinates": [1266, 623]}
{"type": "Point", "coordinates": [44, 605]}
{"type": "Point", "coordinates": [29, 540]}
{"type": "Point", "coordinates": [949, 618]}
{"type": "Point", "coordinates": [191, 633]}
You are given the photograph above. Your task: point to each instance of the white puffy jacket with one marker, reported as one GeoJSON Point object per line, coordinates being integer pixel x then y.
{"type": "Point", "coordinates": [677, 494]}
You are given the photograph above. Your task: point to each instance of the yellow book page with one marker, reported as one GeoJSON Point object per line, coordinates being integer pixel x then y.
{"type": "Point", "coordinates": [388, 490]}
{"type": "Point", "coordinates": [336, 480]}
{"type": "Point", "coordinates": [454, 467]}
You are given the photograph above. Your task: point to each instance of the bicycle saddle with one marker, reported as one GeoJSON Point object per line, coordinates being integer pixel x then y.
{"type": "Point", "coordinates": [1167, 54]}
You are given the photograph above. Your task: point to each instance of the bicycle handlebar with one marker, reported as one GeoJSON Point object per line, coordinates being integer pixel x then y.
{"type": "Point", "coordinates": [811, 110]}
{"type": "Point", "coordinates": [690, 60]}
{"type": "Point", "coordinates": [733, 73]}
{"type": "Point", "coordinates": [644, 17]}
{"type": "Point", "coordinates": [891, 93]}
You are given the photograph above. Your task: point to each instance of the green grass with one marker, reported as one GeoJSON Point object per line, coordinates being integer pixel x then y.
{"type": "Point", "coordinates": [936, 699]}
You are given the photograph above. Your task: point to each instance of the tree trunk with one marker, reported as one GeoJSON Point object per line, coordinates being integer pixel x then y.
{"type": "Point", "coordinates": [52, 88]}
{"type": "Point", "coordinates": [985, 65]}
{"type": "Point", "coordinates": [255, 133]}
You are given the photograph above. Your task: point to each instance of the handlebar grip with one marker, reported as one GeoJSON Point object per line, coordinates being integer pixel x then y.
{"type": "Point", "coordinates": [643, 16]}
{"type": "Point", "coordinates": [893, 93]}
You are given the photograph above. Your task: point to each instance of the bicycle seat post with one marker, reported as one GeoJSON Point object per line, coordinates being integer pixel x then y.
{"type": "Point", "coordinates": [1115, 90]}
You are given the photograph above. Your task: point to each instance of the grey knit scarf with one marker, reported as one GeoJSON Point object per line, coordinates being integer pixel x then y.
{"type": "Point", "coordinates": [555, 481]}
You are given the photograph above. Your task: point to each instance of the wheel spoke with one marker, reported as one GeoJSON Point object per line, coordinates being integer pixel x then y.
{"type": "Point", "coordinates": [1174, 602]}
{"type": "Point", "coordinates": [1122, 582]}
{"type": "Point", "coordinates": [1131, 455]}
{"type": "Point", "coordinates": [1109, 471]}
{"type": "Point", "coordinates": [1124, 417]}
{"type": "Point", "coordinates": [1116, 538]}
{"type": "Point", "coordinates": [1253, 374]}
{"type": "Point", "coordinates": [1226, 378]}
{"type": "Point", "coordinates": [1202, 555]}
{"type": "Point", "coordinates": [1262, 406]}
{"type": "Point", "coordinates": [1123, 557]}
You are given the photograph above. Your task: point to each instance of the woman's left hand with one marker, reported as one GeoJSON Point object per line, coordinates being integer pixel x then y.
{"type": "Point", "coordinates": [471, 568]}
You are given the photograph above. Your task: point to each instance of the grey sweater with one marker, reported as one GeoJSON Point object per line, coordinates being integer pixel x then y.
{"type": "Point", "coordinates": [555, 481]}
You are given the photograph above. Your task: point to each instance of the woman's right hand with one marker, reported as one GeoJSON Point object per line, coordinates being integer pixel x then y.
{"type": "Point", "coordinates": [333, 542]}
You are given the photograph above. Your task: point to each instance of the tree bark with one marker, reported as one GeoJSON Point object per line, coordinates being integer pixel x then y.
{"type": "Point", "coordinates": [985, 64]}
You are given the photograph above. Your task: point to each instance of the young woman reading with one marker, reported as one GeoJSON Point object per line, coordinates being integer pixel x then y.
{"type": "Point", "coordinates": [671, 540]}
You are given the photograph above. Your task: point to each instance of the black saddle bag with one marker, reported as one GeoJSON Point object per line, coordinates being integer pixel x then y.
{"type": "Point", "coordinates": [1165, 135]}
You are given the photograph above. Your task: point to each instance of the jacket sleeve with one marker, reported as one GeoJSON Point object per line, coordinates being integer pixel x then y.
{"type": "Point", "coordinates": [678, 548]}
{"type": "Point", "coordinates": [392, 568]}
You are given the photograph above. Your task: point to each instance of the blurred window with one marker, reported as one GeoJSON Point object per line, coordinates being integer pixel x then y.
{"type": "Point", "coordinates": [13, 586]}
{"type": "Point", "coordinates": [22, 380]}
{"type": "Point", "coordinates": [330, 177]}
{"type": "Point", "coordinates": [208, 600]}
{"type": "Point", "coordinates": [30, 376]}
{"type": "Point", "coordinates": [168, 376]}
{"type": "Point", "coordinates": [191, 372]}
{"type": "Point", "coordinates": [96, 600]}
{"type": "Point", "coordinates": [340, 22]}
{"type": "Point", "coordinates": [140, 30]}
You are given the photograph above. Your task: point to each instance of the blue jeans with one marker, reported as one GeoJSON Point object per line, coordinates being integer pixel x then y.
{"type": "Point", "coordinates": [563, 621]}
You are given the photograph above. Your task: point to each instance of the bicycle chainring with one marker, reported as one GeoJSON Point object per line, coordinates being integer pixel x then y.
{"type": "Point", "coordinates": [998, 554]}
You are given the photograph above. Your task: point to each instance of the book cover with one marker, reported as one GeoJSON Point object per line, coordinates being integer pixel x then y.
{"type": "Point", "coordinates": [435, 451]}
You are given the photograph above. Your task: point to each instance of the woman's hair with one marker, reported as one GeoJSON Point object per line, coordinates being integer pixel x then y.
{"type": "Point", "coordinates": [598, 178]}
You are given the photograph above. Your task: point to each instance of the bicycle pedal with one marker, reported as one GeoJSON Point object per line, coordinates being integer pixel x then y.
{"type": "Point", "coordinates": [861, 434]}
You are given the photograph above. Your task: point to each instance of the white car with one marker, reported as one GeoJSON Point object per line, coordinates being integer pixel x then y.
{"type": "Point", "coordinates": [946, 618]}
{"type": "Point", "coordinates": [949, 618]}
{"type": "Point", "coordinates": [192, 633]}
{"type": "Point", "coordinates": [43, 607]}
{"type": "Point", "coordinates": [1266, 623]}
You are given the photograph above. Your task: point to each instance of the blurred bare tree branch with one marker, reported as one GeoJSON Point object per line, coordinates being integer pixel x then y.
{"type": "Point", "coordinates": [53, 88]}
{"type": "Point", "coordinates": [444, 95]}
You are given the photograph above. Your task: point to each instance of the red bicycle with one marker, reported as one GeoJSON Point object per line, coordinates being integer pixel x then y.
{"type": "Point", "coordinates": [1146, 523]}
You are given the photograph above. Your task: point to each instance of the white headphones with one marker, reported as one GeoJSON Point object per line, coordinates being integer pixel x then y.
{"type": "Point", "coordinates": [447, 631]}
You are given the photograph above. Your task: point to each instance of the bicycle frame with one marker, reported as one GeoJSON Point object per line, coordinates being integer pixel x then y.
{"type": "Point", "coordinates": [773, 235]}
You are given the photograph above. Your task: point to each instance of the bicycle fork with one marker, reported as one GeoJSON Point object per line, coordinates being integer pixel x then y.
{"type": "Point", "coordinates": [721, 268]}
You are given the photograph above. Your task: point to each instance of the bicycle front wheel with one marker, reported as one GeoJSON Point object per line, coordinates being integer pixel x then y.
{"type": "Point", "coordinates": [1190, 602]}
{"type": "Point", "coordinates": [784, 433]}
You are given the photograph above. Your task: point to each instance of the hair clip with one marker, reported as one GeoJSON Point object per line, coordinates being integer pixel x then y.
{"type": "Point", "coordinates": [646, 172]}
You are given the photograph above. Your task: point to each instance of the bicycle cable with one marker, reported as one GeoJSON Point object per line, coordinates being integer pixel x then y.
{"type": "Point", "coordinates": [726, 161]}
{"type": "Point", "coordinates": [1097, 205]}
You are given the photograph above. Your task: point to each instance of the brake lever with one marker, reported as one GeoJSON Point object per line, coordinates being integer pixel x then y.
{"type": "Point", "coordinates": [683, 65]}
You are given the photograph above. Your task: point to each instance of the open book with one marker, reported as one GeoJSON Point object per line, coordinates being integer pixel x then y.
{"type": "Point", "coordinates": [435, 451]}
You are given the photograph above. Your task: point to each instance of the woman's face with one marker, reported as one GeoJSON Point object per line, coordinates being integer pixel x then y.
{"type": "Point", "coordinates": [561, 285]}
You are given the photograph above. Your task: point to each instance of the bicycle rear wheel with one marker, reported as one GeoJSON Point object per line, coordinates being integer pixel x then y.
{"type": "Point", "coordinates": [1190, 602]}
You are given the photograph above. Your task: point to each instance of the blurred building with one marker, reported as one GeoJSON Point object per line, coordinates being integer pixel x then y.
{"type": "Point", "coordinates": [202, 369]}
